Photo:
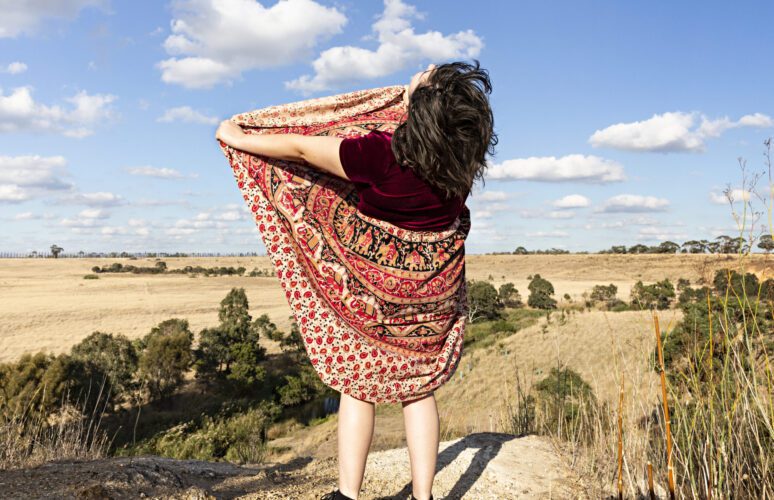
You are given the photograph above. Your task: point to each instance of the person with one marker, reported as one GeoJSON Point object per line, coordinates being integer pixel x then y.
{"type": "Point", "coordinates": [417, 177]}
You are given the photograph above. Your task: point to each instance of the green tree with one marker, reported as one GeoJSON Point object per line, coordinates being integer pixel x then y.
{"type": "Point", "coordinates": [482, 301]}
{"type": "Point", "coordinates": [766, 243]}
{"type": "Point", "coordinates": [508, 295]}
{"type": "Point", "coordinates": [540, 292]}
{"type": "Point", "coordinates": [658, 295]}
{"type": "Point", "coordinates": [166, 357]}
{"type": "Point", "coordinates": [232, 349]}
{"type": "Point", "coordinates": [293, 341]}
{"type": "Point", "coordinates": [113, 355]}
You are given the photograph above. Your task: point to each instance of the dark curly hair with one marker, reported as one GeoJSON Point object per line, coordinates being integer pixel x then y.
{"type": "Point", "coordinates": [449, 128]}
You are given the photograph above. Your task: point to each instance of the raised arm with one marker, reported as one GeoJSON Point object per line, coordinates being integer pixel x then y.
{"type": "Point", "coordinates": [321, 152]}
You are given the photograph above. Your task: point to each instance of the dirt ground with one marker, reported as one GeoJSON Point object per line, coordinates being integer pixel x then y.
{"type": "Point", "coordinates": [479, 466]}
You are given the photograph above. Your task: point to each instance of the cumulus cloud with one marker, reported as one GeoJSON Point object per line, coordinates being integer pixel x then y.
{"type": "Point", "coordinates": [736, 195]}
{"type": "Point", "coordinates": [547, 234]}
{"type": "Point", "coordinates": [19, 112]}
{"type": "Point", "coordinates": [95, 199]}
{"type": "Point", "coordinates": [671, 132]}
{"type": "Point", "coordinates": [659, 233]}
{"type": "Point", "coordinates": [489, 196]}
{"type": "Point", "coordinates": [16, 67]}
{"type": "Point", "coordinates": [561, 214]}
{"type": "Point", "coordinates": [86, 219]}
{"type": "Point", "coordinates": [572, 201]}
{"type": "Point", "coordinates": [188, 115]}
{"type": "Point", "coordinates": [399, 47]}
{"type": "Point", "coordinates": [634, 203]}
{"type": "Point", "coordinates": [30, 176]}
{"type": "Point", "coordinates": [158, 172]}
{"type": "Point", "coordinates": [26, 17]}
{"type": "Point", "coordinates": [214, 41]}
{"type": "Point", "coordinates": [574, 167]}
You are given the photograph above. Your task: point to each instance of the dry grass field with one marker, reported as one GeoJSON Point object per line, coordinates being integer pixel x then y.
{"type": "Point", "coordinates": [47, 305]}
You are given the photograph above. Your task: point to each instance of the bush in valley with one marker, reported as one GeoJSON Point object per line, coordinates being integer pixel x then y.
{"type": "Point", "coordinates": [114, 355]}
{"type": "Point", "coordinates": [691, 334]}
{"type": "Point", "coordinates": [236, 435]}
{"type": "Point", "coordinates": [509, 296]}
{"type": "Point", "coordinates": [261, 272]}
{"type": "Point", "coordinates": [293, 341]}
{"type": "Point", "coordinates": [161, 268]}
{"type": "Point", "coordinates": [165, 357]}
{"type": "Point", "coordinates": [563, 397]}
{"type": "Point", "coordinates": [603, 293]}
{"type": "Point", "coordinates": [90, 277]}
{"type": "Point", "coordinates": [483, 301]}
{"type": "Point", "coordinates": [41, 384]}
{"type": "Point", "coordinates": [231, 350]}
{"type": "Point", "coordinates": [658, 295]}
{"type": "Point", "coordinates": [618, 305]}
{"type": "Point", "coordinates": [540, 292]}
{"type": "Point", "coordinates": [302, 387]}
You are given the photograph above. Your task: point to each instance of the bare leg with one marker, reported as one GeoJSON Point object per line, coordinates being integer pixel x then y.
{"type": "Point", "coordinates": [422, 436]}
{"type": "Point", "coordinates": [356, 428]}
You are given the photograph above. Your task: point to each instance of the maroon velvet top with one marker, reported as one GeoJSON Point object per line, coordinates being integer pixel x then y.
{"type": "Point", "coordinates": [392, 192]}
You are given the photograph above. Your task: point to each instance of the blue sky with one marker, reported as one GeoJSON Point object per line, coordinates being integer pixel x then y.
{"type": "Point", "coordinates": [619, 122]}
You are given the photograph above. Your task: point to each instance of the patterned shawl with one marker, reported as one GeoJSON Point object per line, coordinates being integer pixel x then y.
{"type": "Point", "coordinates": [381, 309]}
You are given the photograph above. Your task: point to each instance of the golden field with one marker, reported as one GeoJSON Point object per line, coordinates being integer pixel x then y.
{"type": "Point", "coordinates": [47, 305]}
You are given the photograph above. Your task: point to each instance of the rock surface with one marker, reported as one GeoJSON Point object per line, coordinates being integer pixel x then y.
{"type": "Point", "coordinates": [479, 466]}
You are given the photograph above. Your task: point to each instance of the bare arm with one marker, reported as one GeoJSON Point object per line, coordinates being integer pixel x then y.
{"type": "Point", "coordinates": [321, 152]}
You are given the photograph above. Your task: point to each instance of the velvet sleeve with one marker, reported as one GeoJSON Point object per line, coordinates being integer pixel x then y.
{"type": "Point", "coordinates": [364, 158]}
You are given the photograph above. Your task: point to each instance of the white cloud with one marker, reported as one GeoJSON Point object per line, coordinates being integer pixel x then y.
{"type": "Point", "coordinates": [634, 203]}
{"type": "Point", "coordinates": [547, 234]}
{"type": "Point", "coordinates": [16, 68]}
{"type": "Point", "coordinates": [93, 213]}
{"type": "Point", "coordinates": [81, 222]}
{"type": "Point", "coordinates": [660, 234]}
{"type": "Point", "coordinates": [214, 41]}
{"type": "Point", "coordinates": [33, 171]}
{"type": "Point", "coordinates": [96, 199]}
{"type": "Point", "coordinates": [490, 196]}
{"type": "Point", "coordinates": [399, 47]}
{"type": "Point", "coordinates": [31, 176]}
{"type": "Point", "coordinates": [11, 193]}
{"type": "Point", "coordinates": [572, 201]}
{"type": "Point", "coordinates": [187, 114]}
{"type": "Point", "coordinates": [736, 195]}
{"type": "Point", "coordinates": [574, 167]}
{"type": "Point", "coordinates": [26, 216]}
{"type": "Point", "coordinates": [561, 214]}
{"type": "Point", "coordinates": [671, 132]}
{"type": "Point", "coordinates": [20, 112]}
{"type": "Point", "coordinates": [26, 16]}
{"type": "Point", "coordinates": [159, 172]}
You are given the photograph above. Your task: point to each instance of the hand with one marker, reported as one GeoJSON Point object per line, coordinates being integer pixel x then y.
{"type": "Point", "coordinates": [229, 132]}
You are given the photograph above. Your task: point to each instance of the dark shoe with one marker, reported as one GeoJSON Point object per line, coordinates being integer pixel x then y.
{"type": "Point", "coordinates": [415, 498]}
{"type": "Point", "coordinates": [336, 495]}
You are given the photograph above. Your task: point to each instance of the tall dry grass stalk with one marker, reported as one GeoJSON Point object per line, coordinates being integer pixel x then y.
{"type": "Point", "coordinates": [29, 438]}
{"type": "Point", "coordinates": [707, 430]}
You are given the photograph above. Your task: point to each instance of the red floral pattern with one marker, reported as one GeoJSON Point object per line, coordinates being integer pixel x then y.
{"type": "Point", "coordinates": [381, 308]}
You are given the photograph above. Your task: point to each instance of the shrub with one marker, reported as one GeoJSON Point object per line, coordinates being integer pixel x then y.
{"type": "Point", "coordinates": [509, 296]}
{"type": "Point", "coordinates": [231, 350]}
{"type": "Point", "coordinates": [233, 435]}
{"type": "Point", "coordinates": [165, 357]}
{"type": "Point", "coordinates": [482, 301]}
{"type": "Point", "coordinates": [540, 293]}
{"type": "Point", "coordinates": [113, 355]}
{"type": "Point", "coordinates": [658, 295]}
{"type": "Point", "coordinates": [563, 397]}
